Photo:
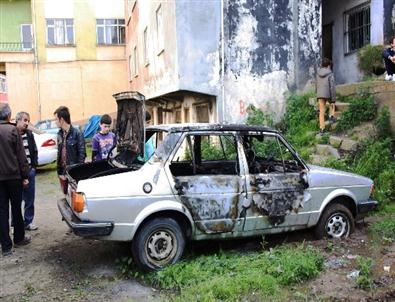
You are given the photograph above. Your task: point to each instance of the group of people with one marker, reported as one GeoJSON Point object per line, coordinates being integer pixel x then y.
{"type": "Point", "coordinates": [19, 160]}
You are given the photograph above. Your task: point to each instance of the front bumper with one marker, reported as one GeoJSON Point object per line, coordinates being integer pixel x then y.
{"type": "Point", "coordinates": [363, 207]}
{"type": "Point", "coordinates": [83, 228]}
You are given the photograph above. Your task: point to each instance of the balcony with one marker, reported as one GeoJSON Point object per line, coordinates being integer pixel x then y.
{"type": "Point", "coordinates": [16, 47]}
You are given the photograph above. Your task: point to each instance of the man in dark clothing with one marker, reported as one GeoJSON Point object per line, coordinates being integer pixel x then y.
{"type": "Point", "coordinates": [22, 122]}
{"type": "Point", "coordinates": [389, 61]}
{"type": "Point", "coordinates": [71, 144]}
{"type": "Point", "coordinates": [14, 172]}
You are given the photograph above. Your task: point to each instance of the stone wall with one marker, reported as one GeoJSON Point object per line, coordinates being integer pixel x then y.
{"type": "Point", "coordinates": [383, 91]}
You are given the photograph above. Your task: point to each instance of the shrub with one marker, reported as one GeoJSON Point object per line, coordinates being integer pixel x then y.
{"type": "Point", "coordinates": [373, 158]}
{"type": "Point", "coordinates": [364, 279]}
{"type": "Point", "coordinates": [385, 229]}
{"type": "Point", "coordinates": [258, 117]}
{"type": "Point", "coordinates": [385, 186]}
{"type": "Point", "coordinates": [383, 124]}
{"type": "Point", "coordinates": [362, 108]}
{"type": "Point", "coordinates": [370, 59]}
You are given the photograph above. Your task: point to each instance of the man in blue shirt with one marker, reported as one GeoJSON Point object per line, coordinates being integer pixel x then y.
{"type": "Point", "coordinates": [389, 60]}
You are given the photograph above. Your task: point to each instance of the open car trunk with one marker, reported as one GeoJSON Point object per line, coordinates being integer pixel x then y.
{"type": "Point", "coordinates": [130, 132]}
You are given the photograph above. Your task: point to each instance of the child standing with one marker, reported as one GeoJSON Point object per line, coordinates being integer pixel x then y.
{"type": "Point", "coordinates": [326, 92]}
{"type": "Point", "coordinates": [103, 141]}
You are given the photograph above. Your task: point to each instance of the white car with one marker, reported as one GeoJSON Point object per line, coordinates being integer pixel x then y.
{"type": "Point", "coordinates": [47, 146]}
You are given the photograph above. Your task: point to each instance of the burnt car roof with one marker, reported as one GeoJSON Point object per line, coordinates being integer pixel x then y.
{"type": "Point", "coordinates": [209, 127]}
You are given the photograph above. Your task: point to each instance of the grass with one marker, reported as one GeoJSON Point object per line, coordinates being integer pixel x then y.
{"type": "Point", "coordinates": [365, 280]}
{"type": "Point", "coordinates": [384, 229]}
{"type": "Point", "coordinates": [233, 276]}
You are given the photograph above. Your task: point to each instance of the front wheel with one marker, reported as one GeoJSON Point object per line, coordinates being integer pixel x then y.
{"type": "Point", "coordinates": [158, 243]}
{"type": "Point", "coordinates": [336, 222]}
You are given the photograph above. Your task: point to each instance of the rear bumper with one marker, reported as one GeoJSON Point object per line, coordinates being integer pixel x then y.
{"type": "Point", "coordinates": [364, 207]}
{"type": "Point", "coordinates": [83, 228]}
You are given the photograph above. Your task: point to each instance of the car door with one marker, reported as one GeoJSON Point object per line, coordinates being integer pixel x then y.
{"type": "Point", "coordinates": [207, 179]}
{"type": "Point", "coordinates": [275, 183]}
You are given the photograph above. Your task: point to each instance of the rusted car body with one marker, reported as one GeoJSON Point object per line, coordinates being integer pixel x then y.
{"type": "Point", "coordinates": [210, 181]}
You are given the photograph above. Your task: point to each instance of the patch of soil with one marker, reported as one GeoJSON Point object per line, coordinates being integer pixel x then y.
{"type": "Point", "coordinates": [59, 266]}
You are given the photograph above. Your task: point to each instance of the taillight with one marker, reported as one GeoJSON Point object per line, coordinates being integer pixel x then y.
{"type": "Point", "coordinates": [371, 191]}
{"type": "Point", "coordinates": [48, 143]}
{"type": "Point", "coordinates": [77, 201]}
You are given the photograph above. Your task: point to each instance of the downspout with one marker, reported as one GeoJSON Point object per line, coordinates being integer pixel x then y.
{"type": "Point", "coordinates": [222, 64]}
{"type": "Point", "coordinates": [35, 62]}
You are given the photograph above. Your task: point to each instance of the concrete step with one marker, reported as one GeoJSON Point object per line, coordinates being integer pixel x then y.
{"type": "Point", "coordinates": [335, 141]}
{"type": "Point", "coordinates": [316, 159]}
{"type": "Point", "coordinates": [340, 106]}
{"type": "Point", "coordinates": [327, 150]}
{"type": "Point", "coordinates": [343, 143]}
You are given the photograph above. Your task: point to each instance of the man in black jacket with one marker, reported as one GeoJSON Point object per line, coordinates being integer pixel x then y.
{"type": "Point", "coordinates": [14, 172]}
{"type": "Point", "coordinates": [22, 122]}
{"type": "Point", "coordinates": [71, 144]}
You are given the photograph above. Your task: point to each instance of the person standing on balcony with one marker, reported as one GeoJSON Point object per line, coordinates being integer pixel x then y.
{"type": "Point", "coordinates": [326, 92]}
{"type": "Point", "coordinates": [389, 61]}
{"type": "Point", "coordinates": [14, 173]}
{"type": "Point", "coordinates": [71, 145]}
{"type": "Point", "coordinates": [22, 122]}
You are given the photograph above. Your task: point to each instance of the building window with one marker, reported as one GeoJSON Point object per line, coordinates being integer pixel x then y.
{"type": "Point", "coordinates": [356, 27]}
{"type": "Point", "coordinates": [110, 31]}
{"type": "Point", "coordinates": [26, 36]}
{"type": "Point", "coordinates": [159, 29]}
{"type": "Point", "coordinates": [145, 40]}
{"type": "Point", "coordinates": [134, 61]}
{"type": "Point", "coordinates": [60, 31]}
{"type": "Point", "coordinates": [202, 115]}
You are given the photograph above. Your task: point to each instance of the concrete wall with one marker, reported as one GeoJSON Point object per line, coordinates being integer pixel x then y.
{"type": "Point", "coordinates": [383, 92]}
{"type": "Point", "coordinates": [346, 66]}
{"type": "Point", "coordinates": [198, 25]}
{"type": "Point", "coordinates": [271, 47]}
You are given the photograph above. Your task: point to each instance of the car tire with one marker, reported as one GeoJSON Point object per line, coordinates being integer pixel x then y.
{"type": "Point", "coordinates": [158, 243]}
{"type": "Point", "coordinates": [336, 222]}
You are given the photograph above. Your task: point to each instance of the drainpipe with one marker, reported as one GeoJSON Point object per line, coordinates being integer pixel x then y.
{"type": "Point", "coordinates": [222, 63]}
{"type": "Point", "coordinates": [35, 62]}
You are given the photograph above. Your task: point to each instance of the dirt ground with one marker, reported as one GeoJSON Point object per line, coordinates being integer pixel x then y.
{"type": "Point", "coordinates": [59, 266]}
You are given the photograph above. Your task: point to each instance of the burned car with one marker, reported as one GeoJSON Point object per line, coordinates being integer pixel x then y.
{"type": "Point", "coordinates": [207, 181]}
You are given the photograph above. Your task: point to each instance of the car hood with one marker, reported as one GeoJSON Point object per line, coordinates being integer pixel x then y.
{"type": "Point", "coordinates": [130, 126]}
{"type": "Point", "coordinates": [327, 177]}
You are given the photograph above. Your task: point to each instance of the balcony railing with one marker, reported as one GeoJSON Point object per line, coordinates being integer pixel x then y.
{"type": "Point", "coordinates": [16, 46]}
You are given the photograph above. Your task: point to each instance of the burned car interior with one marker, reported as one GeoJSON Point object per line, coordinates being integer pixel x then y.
{"type": "Point", "coordinates": [206, 154]}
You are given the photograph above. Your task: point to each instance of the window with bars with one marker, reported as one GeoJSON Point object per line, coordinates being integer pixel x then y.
{"type": "Point", "coordinates": [60, 31]}
{"type": "Point", "coordinates": [356, 27]}
{"type": "Point", "coordinates": [110, 31]}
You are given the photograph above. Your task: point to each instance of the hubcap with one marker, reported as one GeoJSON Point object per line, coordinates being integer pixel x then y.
{"type": "Point", "coordinates": [337, 226]}
{"type": "Point", "coordinates": [161, 247]}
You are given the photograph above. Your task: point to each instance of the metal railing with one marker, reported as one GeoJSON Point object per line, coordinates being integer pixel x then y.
{"type": "Point", "coordinates": [16, 46]}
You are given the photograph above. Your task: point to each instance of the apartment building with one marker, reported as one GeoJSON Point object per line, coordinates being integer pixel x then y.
{"type": "Point", "coordinates": [63, 52]}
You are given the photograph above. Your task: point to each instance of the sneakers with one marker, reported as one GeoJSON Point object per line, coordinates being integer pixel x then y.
{"type": "Point", "coordinates": [24, 241]}
{"type": "Point", "coordinates": [332, 119]}
{"type": "Point", "coordinates": [7, 252]}
{"type": "Point", "coordinates": [322, 131]}
{"type": "Point", "coordinates": [388, 77]}
{"type": "Point", "coordinates": [31, 227]}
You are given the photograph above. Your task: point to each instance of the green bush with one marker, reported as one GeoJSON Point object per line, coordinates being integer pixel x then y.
{"type": "Point", "coordinates": [385, 186]}
{"type": "Point", "coordinates": [385, 229]}
{"type": "Point", "coordinates": [362, 108]}
{"type": "Point", "coordinates": [373, 158]}
{"type": "Point", "coordinates": [383, 123]}
{"type": "Point", "coordinates": [364, 279]}
{"type": "Point", "coordinates": [257, 117]}
{"type": "Point", "coordinates": [370, 59]}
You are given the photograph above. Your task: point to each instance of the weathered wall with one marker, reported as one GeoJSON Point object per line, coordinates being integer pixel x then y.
{"type": "Point", "coordinates": [198, 26]}
{"type": "Point", "coordinates": [345, 66]}
{"type": "Point", "coordinates": [271, 47]}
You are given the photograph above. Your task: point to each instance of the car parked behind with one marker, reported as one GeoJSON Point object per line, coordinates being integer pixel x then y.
{"type": "Point", "coordinates": [46, 146]}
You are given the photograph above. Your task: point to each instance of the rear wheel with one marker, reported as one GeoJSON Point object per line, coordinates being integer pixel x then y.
{"type": "Point", "coordinates": [158, 243]}
{"type": "Point", "coordinates": [336, 222]}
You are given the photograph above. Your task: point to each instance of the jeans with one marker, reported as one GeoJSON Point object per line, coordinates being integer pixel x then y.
{"type": "Point", "coordinates": [11, 190]}
{"type": "Point", "coordinates": [28, 197]}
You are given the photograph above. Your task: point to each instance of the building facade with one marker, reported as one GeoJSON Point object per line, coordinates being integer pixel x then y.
{"type": "Point", "coordinates": [63, 52]}
{"type": "Point", "coordinates": [209, 60]}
